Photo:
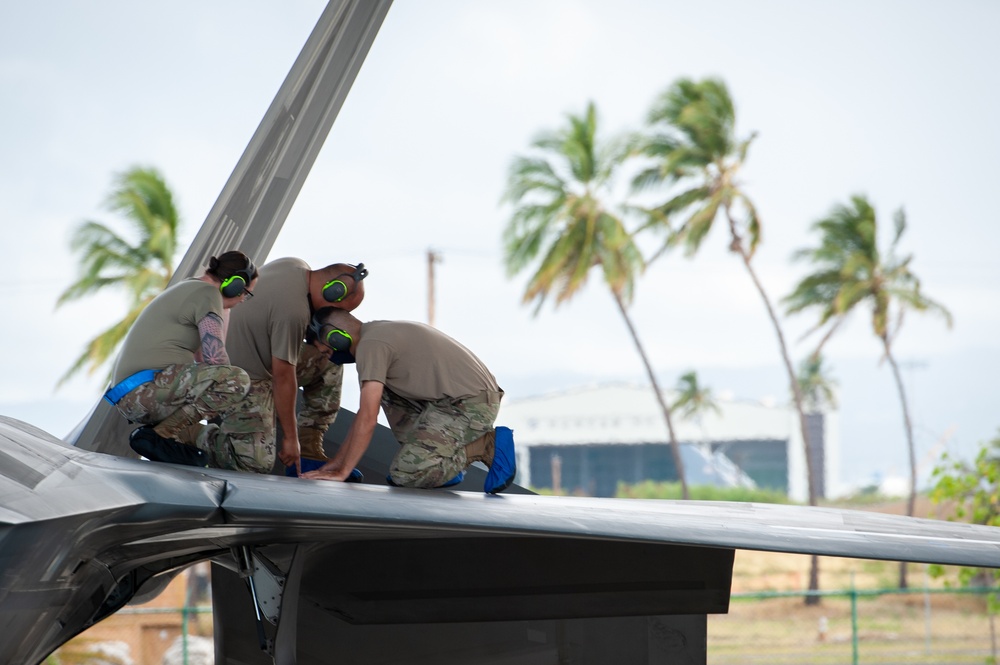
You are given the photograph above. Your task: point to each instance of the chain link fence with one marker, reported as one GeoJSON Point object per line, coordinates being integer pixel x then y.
{"type": "Point", "coordinates": [884, 626]}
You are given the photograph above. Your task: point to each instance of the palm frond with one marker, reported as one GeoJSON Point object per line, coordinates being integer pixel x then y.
{"type": "Point", "coordinates": [899, 227]}
{"type": "Point", "coordinates": [693, 230]}
{"type": "Point", "coordinates": [529, 227]}
{"type": "Point", "coordinates": [532, 175]}
{"type": "Point", "coordinates": [691, 139]}
{"type": "Point", "coordinates": [915, 300]}
{"type": "Point", "coordinates": [558, 223]}
{"type": "Point", "coordinates": [751, 224]}
{"type": "Point", "coordinates": [693, 399]}
{"type": "Point", "coordinates": [140, 262]}
{"type": "Point", "coordinates": [815, 383]}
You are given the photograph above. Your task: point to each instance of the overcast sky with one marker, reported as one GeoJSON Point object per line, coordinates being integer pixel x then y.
{"type": "Point", "coordinates": [895, 99]}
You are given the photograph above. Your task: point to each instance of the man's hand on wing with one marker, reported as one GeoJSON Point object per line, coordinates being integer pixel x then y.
{"type": "Point", "coordinates": [329, 471]}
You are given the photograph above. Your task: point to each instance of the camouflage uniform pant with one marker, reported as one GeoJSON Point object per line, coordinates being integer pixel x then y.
{"type": "Point", "coordinates": [433, 435]}
{"type": "Point", "coordinates": [181, 396]}
{"type": "Point", "coordinates": [321, 383]}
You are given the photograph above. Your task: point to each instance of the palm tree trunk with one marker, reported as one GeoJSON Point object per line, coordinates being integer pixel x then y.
{"type": "Point", "coordinates": [737, 246]}
{"type": "Point", "coordinates": [796, 392]}
{"type": "Point", "coordinates": [911, 502]}
{"type": "Point", "coordinates": [675, 447]}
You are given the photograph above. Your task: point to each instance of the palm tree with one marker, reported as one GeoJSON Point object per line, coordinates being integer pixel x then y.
{"type": "Point", "coordinates": [693, 399]}
{"type": "Point", "coordinates": [817, 394]}
{"type": "Point", "coordinates": [695, 152]}
{"type": "Point", "coordinates": [560, 220]}
{"type": "Point", "coordinates": [851, 271]}
{"type": "Point", "coordinates": [816, 385]}
{"type": "Point", "coordinates": [140, 263]}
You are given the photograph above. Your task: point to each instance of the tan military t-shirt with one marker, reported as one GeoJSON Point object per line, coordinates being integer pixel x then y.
{"type": "Point", "coordinates": [166, 332]}
{"type": "Point", "coordinates": [273, 322]}
{"type": "Point", "coordinates": [419, 362]}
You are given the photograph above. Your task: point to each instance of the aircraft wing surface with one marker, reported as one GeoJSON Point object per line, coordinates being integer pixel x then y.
{"type": "Point", "coordinates": [81, 533]}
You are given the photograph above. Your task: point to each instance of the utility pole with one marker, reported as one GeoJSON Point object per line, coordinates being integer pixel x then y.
{"type": "Point", "coordinates": [432, 258]}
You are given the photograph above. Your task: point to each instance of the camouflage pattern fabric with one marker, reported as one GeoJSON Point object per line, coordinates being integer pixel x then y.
{"type": "Point", "coordinates": [243, 440]}
{"type": "Point", "coordinates": [181, 396]}
{"type": "Point", "coordinates": [321, 382]}
{"type": "Point", "coordinates": [249, 432]}
{"type": "Point", "coordinates": [433, 435]}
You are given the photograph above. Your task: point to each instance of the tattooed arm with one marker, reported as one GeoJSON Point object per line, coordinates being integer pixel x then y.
{"type": "Point", "coordinates": [213, 349]}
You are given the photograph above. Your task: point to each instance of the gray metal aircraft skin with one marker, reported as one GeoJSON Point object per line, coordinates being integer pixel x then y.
{"type": "Point", "coordinates": [368, 573]}
{"type": "Point", "coordinates": [82, 532]}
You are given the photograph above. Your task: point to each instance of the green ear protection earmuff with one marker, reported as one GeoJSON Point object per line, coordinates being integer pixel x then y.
{"type": "Point", "coordinates": [237, 283]}
{"type": "Point", "coordinates": [335, 338]}
{"type": "Point", "coordinates": [336, 290]}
